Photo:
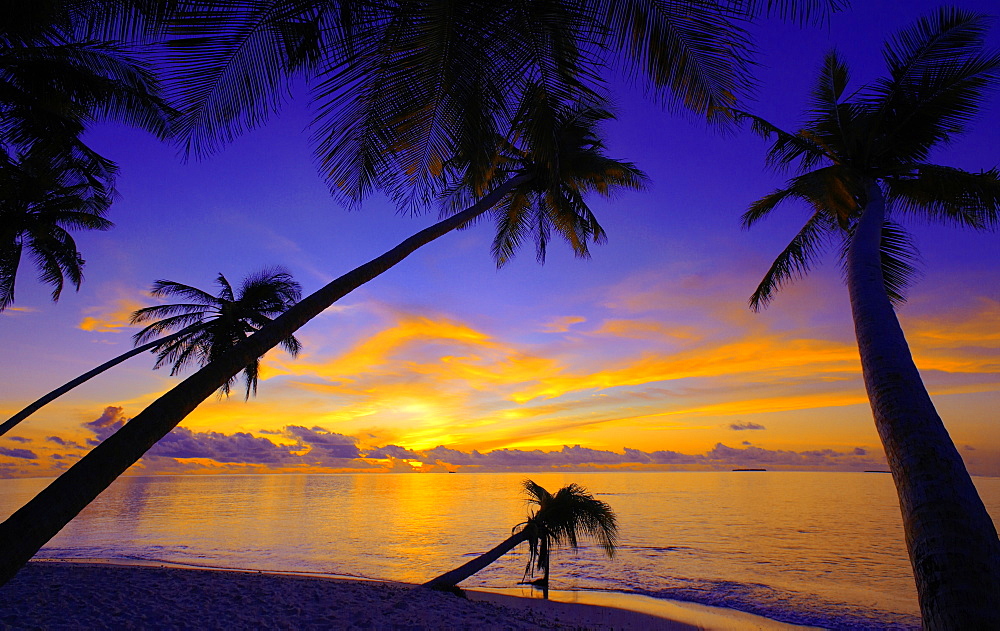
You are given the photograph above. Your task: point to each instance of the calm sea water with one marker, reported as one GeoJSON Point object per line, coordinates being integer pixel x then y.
{"type": "Point", "coordinates": [824, 549]}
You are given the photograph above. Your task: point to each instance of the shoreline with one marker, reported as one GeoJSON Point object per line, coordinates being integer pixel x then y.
{"type": "Point", "coordinates": [95, 593]}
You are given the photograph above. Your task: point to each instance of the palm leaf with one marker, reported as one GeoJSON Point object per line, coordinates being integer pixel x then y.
{"type": "Point", "coordinates": [938, 80]}
{"type": "Point", "coordinates": [694, 55]}
{"type": "Point", "coordinates": [948, 195]}
{"type": "Point", "coordinates": [795, 260]}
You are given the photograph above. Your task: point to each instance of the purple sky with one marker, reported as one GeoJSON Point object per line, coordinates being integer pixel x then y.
{"type": "Point", "coordinates": [647, 346]}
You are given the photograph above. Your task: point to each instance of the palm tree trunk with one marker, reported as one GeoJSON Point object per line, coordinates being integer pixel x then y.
{"type": "Point", "coordinates": [459, 574]}
{"type": "Point", "coordinates": [27, 530]}
{"type": "Point", "coordinates": [950, 537]}
{"type": "Point", "coordinates": [546, 552]}
{"type": "Point", "coordinates": [87, 376]}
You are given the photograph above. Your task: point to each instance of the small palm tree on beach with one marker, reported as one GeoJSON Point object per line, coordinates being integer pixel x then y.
{"type": "Point", "coordinates": [863, 163]}
{"type": "Point", "coordinates": [556, 519]}
{"type": "Point", "coordinates": [199, 330]}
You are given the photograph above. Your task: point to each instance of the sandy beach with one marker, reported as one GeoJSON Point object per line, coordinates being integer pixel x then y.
{"type": "Point", "coordinates": [98, 596]}
{"type": "Point", "coordinates": [69, 595]}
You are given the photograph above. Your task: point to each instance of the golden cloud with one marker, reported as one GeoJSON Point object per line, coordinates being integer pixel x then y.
{"type": "Point", "coordinates": [110, 318]}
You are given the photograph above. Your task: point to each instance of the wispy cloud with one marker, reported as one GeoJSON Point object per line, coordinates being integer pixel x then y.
{"type": "Point", "coordinates": [742, 426]}
{"type": "Point", "coordinates": [110, 318]}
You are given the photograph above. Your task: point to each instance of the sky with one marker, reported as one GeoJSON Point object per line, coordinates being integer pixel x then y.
{"type": "Point", "coordinates": [644, 356]}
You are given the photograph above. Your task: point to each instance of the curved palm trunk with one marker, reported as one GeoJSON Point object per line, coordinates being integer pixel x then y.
{"type": "Point", "coordinates": [459, 574]}
{"type": "Point", "coordinates": [27, 530]}
{"type": "Point", "coordinates": [952, 541]}
{"type": "Point", "coordinates": [87, 376]}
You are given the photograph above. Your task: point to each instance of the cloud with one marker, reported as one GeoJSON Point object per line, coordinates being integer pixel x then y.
{"type": "Point", "coordinates": [325, 446]}
{"type": "Point", "coordinates": [19, 439]}
{"type": "Point", "coordinates": [239, 447]}
{"type": "Point", "coordinates": [26, 454]}
{"type": "Point", "coordinates": [63, 442]}
{"type": "Point", "coordinates": [741, 426]}
{"type": "Point", "coordinates": [13, 311]}
{"type": "Point", "coordinates": [562, 324]}
{"type": "Point", "coordinates": [109, 422]}
{"type": "Point", "coordinates": [110, 318]}
{"type": "Point", "coordinates": [395, 451]}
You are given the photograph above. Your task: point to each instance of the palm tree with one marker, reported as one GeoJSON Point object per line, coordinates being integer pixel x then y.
{"type": "Point", "coordinates": [57, 77]}
{"type": "Point", "coordinates": [559, 519]}
{"type": "Point", "coordinates": [573, 166]}
{"type": "Point", "coordinates": [399, 87]}
{"type": "Point", "coordinates": [212, 324]}
{"type": "Point", "coordinates": [863, 163]}
{"type": "Point", "coordinates": [202, 329]}
{"type": "Point", "coordinates": [40, 202]}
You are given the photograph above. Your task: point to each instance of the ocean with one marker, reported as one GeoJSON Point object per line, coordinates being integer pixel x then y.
{"type": "Point", "coordinates": [821, 549]}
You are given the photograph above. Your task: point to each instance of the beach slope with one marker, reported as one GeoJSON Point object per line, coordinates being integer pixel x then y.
{"type": "Point", "coordinates": [66, 595]}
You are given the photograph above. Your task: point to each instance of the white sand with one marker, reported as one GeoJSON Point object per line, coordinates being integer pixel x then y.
{"type": "Point", "coordinates": [68, 595]}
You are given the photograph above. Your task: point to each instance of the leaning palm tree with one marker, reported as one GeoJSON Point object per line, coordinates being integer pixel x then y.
{"type": "Point", "coordinates": [571, 165]}
{"type": "Point", "coordinates": [864, 164]}
{"type": "Point", "coordinates": [199, 330]}
{"type": "Point", "coordinates": [209, 325]}
{"type": "Point", "coordinates": [558, 519]}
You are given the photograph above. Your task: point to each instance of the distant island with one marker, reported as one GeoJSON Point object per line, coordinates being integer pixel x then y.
{"type": "Point", "coordinates": [749, 469]}
{"type": "Point", "coordinates": [876, 471]}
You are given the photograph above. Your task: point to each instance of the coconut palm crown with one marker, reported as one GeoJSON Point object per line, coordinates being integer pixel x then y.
{"type": "Point", "coordinates": [398, 88]}
{"type": "Point", "coordinates": [560, 518]}
{"type": "Point", "coordinates": [557, 154]}
{"type": "Point", "coordinates": [938, 75]}
{"type": "Point", "coordinates": [213, 324]}
{"type": "Point", "coordinates": [864, 164]}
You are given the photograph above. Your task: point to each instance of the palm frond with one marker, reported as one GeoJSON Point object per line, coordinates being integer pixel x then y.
{"type": "Point", "coordinates": [765, 205]}
{"type": "Point", "coordinates": [10, 258]}
{"type": "Point", "coordinates": [795, 260]}
{"type": "Point", "coordinates": [786, 147]}
{"type": "Point", "coordinates": [230, 69]}
{"type": "Point", "coordinates": [694, 55]}
{"type": "Point", "coordinates": [939, 76]}
{"type": "Point", "coordinates": [798, 11]}
{"type": "Point", "coordinates": [164, 288]}
{"type": "Point", "coordinates": [948, 195]}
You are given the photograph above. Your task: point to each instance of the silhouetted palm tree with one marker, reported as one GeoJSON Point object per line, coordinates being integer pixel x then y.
{"type": "Point", "coordinates": [202, 329]}
{"type": "Point", "coordinates": [57, 77]}
{"type": "Point", "coordinates": [40, 203]}
{"type": "Point", "coordinates": [572, 165]}
{"type": "Point", "coordinates": [214, 323]}
{"type": "Point", "coordinates": [399, 87]}
{"type": "Point", "coordinates": [863, 161]}
{"type": "Point", "coordinates": [559, 519]}
{"type": "Point", "coordinates": [400, 90]}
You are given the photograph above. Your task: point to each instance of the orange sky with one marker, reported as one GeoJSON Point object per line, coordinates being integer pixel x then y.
{"type": "Point", "coordinates": [648, 346]}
